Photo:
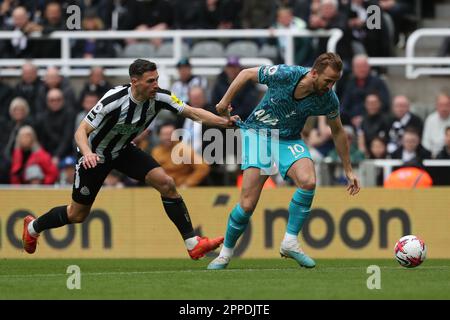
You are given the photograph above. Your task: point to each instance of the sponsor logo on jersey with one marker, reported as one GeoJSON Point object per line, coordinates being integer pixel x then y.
{"type": "Point", "coordinates": [176, 100]}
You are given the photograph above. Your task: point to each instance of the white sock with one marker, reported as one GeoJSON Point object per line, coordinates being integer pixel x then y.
{"type": "Point", "coordinates": [31, 230]}
{"type": "Point", "coordinates": [226, 252]}
{"type": "Point", "coordinates": [190, 243]}
{"type": "Point", "coordinates": [290, 237]}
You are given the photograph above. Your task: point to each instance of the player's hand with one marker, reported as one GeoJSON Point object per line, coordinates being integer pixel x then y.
{"type": "Point", "coordinates": [233, 119]}
{"type": "Point", "coordinates": [90, 160]}
{"type": "Point", "coordinates": [353, 184]}
{"type": "Point", "coordinates": [224, 109]}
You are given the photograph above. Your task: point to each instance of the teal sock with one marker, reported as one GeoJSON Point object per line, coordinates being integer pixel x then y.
{"type": "Point", "coordinates": [299, 209]}
{"type": "Point", "coordinates": [237, 223]}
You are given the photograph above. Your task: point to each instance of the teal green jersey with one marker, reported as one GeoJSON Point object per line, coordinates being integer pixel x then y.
{"type": "Point", "coordinates": [278, 109]}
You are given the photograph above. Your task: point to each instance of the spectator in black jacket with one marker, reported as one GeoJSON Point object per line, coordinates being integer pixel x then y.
{"type": "Point", "coordinates": [411, 151]}
{"type": "Point", "coordinates": [445, 152]}
{"type": "Point", "coordinates": [375, 123]}
{"type": "Point", "coordinates": [55, 126]}
{"type": "Point", "coordinates": [402, 118]}
{"type": "Point", "coordinates": [29, 86]}
{"type": "Point", "coordinates": [247, 98]}
{"type": "Point", "coordinates": [360, 84]}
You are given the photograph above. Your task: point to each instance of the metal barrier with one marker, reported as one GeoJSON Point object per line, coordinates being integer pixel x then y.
{"type": "Point", "coordinates": [209, 65]}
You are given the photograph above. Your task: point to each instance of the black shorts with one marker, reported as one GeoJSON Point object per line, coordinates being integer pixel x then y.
{"type": "Point", "coordinates": [132, 162]}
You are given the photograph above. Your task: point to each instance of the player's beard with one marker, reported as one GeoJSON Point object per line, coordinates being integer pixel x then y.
{"type": "Point", "coordinates": [317, 89]}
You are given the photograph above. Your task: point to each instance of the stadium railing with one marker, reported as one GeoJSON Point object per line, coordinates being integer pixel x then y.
{"type": "Point", "coordinates": [119, 66]}
{"type": "Point", "coordinates": [410, 60]}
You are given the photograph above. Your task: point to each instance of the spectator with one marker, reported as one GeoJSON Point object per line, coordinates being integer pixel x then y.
{"type": "Point", "coordinates": [374, 123]}
{"type": "Point", "coordinates": [19, 112]}
{"type": "Point", "coordinates": [378, 149]}
{"type": "Point", "coordinates": [150, 15]}
{"type": "Point", "coordinates": [53, 80]}
{"type": "Point", "coordinates": [222, 14]}
{"type": "Point", "coordinates": [29, 87]}
{"type": "Point", "coordinates": [401, 12]}
{"type": "Point", "coordinates": [97, 83]}
{"type": "Point", "coordinates": [302, 46]}
{"type": "Point", "coordinates": [193, 135]}
{"type": "Point", "coordinates": [258, 14]}
{"type": "Point", "coordinates": [360, 84]}
{"type": "Point", "coordinates": [55, 126]}
{"type": "Point", "coordinates": [435, 124]}
{"type": "Point", "coordinates": [186, 80]}
{"type": "Point", "coordinates": [445, 152]}
{"type": "Point", "coordinates": [6, 95]}
{"type": "Point", "coordinates": [89, 101]}
{"type": "Point", "coordinates": [356, 156]}
{"type": "Point", "coordinates": [53, 21]}
{"type": "Point", "coordinates": [373, 42]}
{"type": "Point", "coordinates": [189, 14]}
{"type": "Point", "coordinates": [191, 172]}
{"type": "Point", "coordinates": [21, 46]}
{"type": "Point", "coordinates": [93, 48]}
{"type": "Point", "coordinates": [66, 171]}
{"type": "Point", "coordinates": [328, 17]}
{"type": "Point", "coordinates": [411, 152]}
{"type": "Point", "coordinates": [30, 162]}
{"type": "Point", "coordinates": [247, 98]}
{"type": "Point", "coordinates": [319, 136]}
{"type": "Point", "coordinates": [403, 118]}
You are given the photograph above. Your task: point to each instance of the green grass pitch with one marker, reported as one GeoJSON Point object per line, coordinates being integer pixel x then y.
{"type": "Point", "coordinates": [272, 279]}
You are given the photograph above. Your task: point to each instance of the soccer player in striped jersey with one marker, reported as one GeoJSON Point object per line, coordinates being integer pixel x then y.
{"type": "Point", "coordinates": [294, 93]}
{"type": "Point", "coordinates": [104, 139]}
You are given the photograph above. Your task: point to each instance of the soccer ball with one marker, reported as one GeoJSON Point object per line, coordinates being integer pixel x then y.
{"type": "Point", "coordinates": [410, 251]}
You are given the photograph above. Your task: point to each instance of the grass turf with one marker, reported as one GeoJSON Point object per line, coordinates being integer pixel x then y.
{"type": "Point", "coordinates": [245, 279]}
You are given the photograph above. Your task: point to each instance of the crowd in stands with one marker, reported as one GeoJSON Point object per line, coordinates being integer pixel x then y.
{"type": "Point", "coordinates": [38, 116]}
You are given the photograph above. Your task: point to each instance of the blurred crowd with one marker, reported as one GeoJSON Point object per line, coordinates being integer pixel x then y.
{"type": "Point", "coordinates": [39, 116]}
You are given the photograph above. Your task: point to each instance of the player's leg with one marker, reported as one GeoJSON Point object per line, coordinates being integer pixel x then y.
{"type": "Point", "coordinates": [252, 184]}
{"type": "Point", "coordinates": [303, 174]}
{"type": "Point", "coordinates": [86, 185]}
{"type": "Point", "coordinates": [141, 166]}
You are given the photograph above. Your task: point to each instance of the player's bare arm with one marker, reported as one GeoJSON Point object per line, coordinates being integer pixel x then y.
{"type": "Point", "coordinates": [342, 148]}
{"type": "Point", "coordinates": [90, 159]}
{"type": "Point", "coordinates": [208, 118]}
{"type": "Point", "coordinates": [224, 106]}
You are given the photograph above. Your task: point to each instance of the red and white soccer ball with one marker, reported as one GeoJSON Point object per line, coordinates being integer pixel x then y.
{"type": "Point", "coordinates": [410, 251]}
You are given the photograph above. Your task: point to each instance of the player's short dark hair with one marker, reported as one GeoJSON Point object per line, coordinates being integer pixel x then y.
{"type": "Point", "coordinates": [447, 129]}
{"type": "Point", "coordinates": [328, 59]}
{"type": "Point", "coordinates": [140, 66]}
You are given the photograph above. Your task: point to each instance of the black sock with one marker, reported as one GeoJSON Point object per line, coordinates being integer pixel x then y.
{"type": "Point", "coordinates": [56, 217]}
{"type": "Point", "coordinates": [178, 213]}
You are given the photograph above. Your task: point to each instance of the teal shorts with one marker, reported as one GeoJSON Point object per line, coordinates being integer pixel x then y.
{"type": "Point", "coordinates": [270, 154]}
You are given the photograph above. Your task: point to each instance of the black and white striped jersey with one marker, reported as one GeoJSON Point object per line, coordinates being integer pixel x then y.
{"type": "Point", "coordinates": [118, 118]}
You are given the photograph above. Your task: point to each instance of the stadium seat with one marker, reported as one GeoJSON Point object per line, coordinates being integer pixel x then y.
{"type": "Point", "coordinates": [166, 50]}
{"type": "Point", "coordinates": [139, 50]}
{"type": "Point", "coordinates": [268, 51]}
{"type": "Point", "coordinates": [207, 49]}
{"type": "Point", "coordinates": [242, 49]}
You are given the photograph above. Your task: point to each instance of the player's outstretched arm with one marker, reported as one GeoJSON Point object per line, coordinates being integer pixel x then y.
{"type": "Point", "coordinates": [208, 118]}
{"type": "Point", "coordinates": [224, 106]}
{"type": "Point", "coordinates": [90, 159]}
{"type": "Point", "coordinates": [343, 150]}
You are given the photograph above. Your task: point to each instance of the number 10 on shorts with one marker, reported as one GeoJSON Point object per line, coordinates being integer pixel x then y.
{"type": "Point", "coordinates": [296, 150]}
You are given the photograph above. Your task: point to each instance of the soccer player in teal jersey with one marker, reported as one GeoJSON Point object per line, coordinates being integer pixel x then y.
{"type": "Point", "coordinates": [274, 129]}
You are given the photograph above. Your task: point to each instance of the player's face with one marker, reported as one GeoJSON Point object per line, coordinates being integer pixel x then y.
{"type": "Point", "coordinates": [325, 81]}
{"type": "Point", "coordinates": [147, 85]}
